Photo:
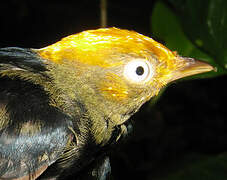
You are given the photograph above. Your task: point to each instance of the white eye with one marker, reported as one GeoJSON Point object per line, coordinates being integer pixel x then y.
{"type": "Point", "coordinates": [138, 71]}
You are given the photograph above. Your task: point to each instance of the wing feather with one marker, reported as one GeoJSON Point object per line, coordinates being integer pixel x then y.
{"type": "Point", "coordinates": [33, 134]}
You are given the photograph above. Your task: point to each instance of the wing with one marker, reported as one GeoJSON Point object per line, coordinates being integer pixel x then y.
{"type": "Point", "coordinates": [33, 134]}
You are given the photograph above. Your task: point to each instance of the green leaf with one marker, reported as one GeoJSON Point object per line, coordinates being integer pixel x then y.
{"type": "Point", "coordinates": [166, 28]}
{"type": "Point", "coordinates": [198, 167]}
{"type": "Point", "coordinates": [205, 23]}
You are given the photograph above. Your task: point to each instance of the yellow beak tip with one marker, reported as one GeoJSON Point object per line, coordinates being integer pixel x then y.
{"type": "Point", "coordinates": [192, 67]}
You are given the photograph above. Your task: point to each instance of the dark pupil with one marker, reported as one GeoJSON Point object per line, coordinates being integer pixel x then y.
{"type": "Point", "coordinates": [139, 70]}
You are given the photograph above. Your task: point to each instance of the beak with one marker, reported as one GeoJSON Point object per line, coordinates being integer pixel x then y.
{"type": "Point", "coordinates": [190, 67]}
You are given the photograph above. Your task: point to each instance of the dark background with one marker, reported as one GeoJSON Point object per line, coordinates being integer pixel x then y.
{"type": "Point", "coordinates": [188, 121]}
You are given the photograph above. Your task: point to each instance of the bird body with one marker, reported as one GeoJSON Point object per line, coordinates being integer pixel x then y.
{"type": "Point", "coordinates": [62, 105]}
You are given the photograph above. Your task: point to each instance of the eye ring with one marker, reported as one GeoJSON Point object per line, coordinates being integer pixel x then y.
{"type": "Point", "coordinates": [138, 71]}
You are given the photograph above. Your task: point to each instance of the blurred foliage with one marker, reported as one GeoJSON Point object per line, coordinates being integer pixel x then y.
{"type": "Point", "coordinates": [205, 23]}
{"type": "Point", "coordinates": [199, 167]}
{"type": "Point", "coordinates": [195, 29]}
{"type": "Point", "coordinates": [166, 27]}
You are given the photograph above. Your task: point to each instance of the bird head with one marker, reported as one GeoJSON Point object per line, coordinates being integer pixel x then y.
{"type": "Point", "coordinates": [114, 71]}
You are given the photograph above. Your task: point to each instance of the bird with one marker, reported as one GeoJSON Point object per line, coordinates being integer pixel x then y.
{"type": "Point", "coordinates": [63, 105]}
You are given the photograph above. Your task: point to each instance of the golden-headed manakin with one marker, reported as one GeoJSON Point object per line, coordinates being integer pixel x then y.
{"type": "Point", "coordinates": [61, 105]}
